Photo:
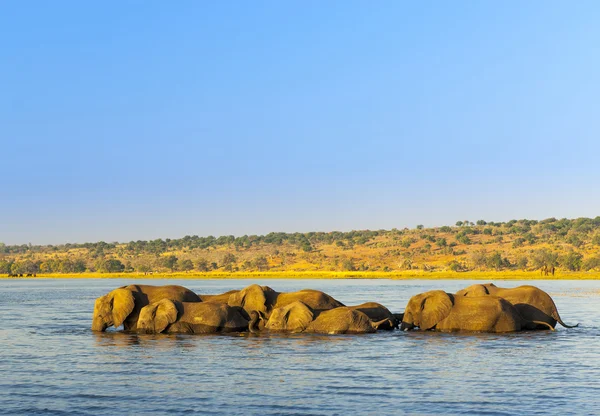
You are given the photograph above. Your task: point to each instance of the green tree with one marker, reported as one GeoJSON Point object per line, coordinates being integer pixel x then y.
{"type": "Point", "coordinates": [481, 222]}
{"type": "Point", "coordinates": [543, 257]}
{"type": "Point", "coordinates": [495, 261]}
{"type": "Point", "coordinates": [459, 223]}
{"type": "Point", "coordinates": [17, 268]}
{"type": "Point", "coordinates": [261, 263]}
{"type": "Point", "coordinates": [5, 267]}
{"type": "Point", "coordinates": [441, 242]}
{"type": "Point", "coordinates": [518, 242]}
{"type": "Point", "coordinates": [185, 265]}
{"type": "Point", "coordinates": [46, 267]}
{"type": "Point", "coordinates": [522, 262]}
{"type": "Point", "coordinates": [591, 263]}
{"type": "Point", "coordinates": [574, 240]}
{"type": "Point", "coordinates": [109, 266]}
{"type": "Point", "coordinates": [66, 266]}
{"type": "Point", "coordinates": [420, 227]}
{"type": "Point", "coordinates": [479, 258]}
{"type": "Point", "coordinates": [228, 262]}
{"type": "Point", "coordinates": [202, 265]}
{"type": "Point", "coordinates": [79, 266]}
{"type": "Point", "coordinates": [571, 261]}
{"type": "Point", "coordinates": [170, 262]}
{"type": "Point", "coordinates": [348, 265]}
{"type": "Point", "coordinates": [464, 239]}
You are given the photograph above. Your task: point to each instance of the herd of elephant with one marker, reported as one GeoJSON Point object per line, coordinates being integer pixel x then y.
{"type": "Point", "coordinates": [176, 309]}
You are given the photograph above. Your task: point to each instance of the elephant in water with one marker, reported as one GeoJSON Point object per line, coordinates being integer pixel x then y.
{"type": "Point", "coordinates": [441, 311]}
{"type": "Point", "coordinates": [123, 305]}
{"type": "Point", "coordinates": [221, 298]}
{"type": "Point", "coordinates": [377, 312]}
{"type": "Point", "coordinates": [176, 317]}
{"type": "Point", "coordinates": [263, 299]}
{"type": "Point", "coordinates": [532, 303]}
{"type": "Point", "coordinates": [298, 317]}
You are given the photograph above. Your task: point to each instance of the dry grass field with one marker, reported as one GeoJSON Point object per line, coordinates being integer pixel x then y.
{"type": "Point", "coordinates": [511, 250]}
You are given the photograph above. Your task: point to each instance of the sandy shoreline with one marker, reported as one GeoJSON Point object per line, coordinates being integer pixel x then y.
{"type": "Point", "coordinates": [403, 275]}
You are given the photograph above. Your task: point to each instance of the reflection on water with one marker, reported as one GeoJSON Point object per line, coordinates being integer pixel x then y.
{"type": "Point", "coordinates": [52, 362]}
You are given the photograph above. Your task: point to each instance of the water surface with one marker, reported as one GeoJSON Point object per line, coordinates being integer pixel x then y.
{"type": "Point", "coordinates": [51, 362]}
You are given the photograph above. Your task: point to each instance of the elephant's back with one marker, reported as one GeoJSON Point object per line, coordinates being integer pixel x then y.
{"type": "Point", "coordinates": [480, 314]}
{"type": "Point", "coordinates": [221, 298]}
{"type": "Point", "coordinates": [173, 292]}
{"type": "Point", "coordinates": [342, 320]}
{"type": "Point", "coordinates": [530, 295]}
{"type": "Point", "coordinates": [205, 315]}
{"type": "Point", "coordinates": [375, 311]}
{"type": "Point", "coordinates": [314, 299]}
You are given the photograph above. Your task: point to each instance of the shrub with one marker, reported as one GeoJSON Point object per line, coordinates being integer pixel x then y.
{"type": "Point", "coordinates": [571, 261]}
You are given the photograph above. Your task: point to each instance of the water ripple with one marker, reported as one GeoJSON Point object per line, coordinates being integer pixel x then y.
{"type": "Point", "coordinates": [51, 363]}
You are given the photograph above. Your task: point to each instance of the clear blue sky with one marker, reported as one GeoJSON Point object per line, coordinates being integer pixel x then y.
{"type": "Point", "coordinates": [127, 120]}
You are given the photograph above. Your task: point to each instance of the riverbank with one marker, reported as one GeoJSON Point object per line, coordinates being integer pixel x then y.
{"type": "Point", "coordinates": [401, 275]}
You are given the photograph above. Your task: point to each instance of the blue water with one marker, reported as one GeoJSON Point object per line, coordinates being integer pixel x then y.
{"type": "Point", "coordinates": [51, 362]}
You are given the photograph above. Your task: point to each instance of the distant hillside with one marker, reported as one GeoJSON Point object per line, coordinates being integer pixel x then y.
{"type": "Point", "coordinates": [514, 245]}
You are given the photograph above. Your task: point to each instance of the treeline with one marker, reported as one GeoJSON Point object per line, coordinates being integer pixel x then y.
{"type": "Point", "coordinates": [305, 241]}
{"type": "Point", "coordinates": [169, 263]}
{"type": "Point", "coordinates": [571, 244]}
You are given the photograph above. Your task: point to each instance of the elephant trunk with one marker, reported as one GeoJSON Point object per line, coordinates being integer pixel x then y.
{"type": "Point", "coordinates": [99, 325]}
{"type": "Point", "coordinates": [543, 324]}
{"type": "Point", "coordinates": [385, 324]}
{"type": "Point", "coordinates": [406, 326]}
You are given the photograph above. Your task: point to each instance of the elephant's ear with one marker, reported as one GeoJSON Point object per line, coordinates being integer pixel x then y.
{"type": "Point", "coordinates": [123, 304]}
{"type": "Point", "coordinates": [435, 307]}
{"type": "Point", "coordinates": [165, 315]}
{"type": "Point", "coordinates": [298, 316]}
{"type": "Point", "coordinates": [251, 298]}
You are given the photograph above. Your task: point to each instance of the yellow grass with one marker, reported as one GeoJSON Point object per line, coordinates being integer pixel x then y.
{"type": "Point", "coordinates": [400, 275]}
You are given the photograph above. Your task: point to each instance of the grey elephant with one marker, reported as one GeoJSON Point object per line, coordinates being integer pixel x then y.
{"type": "Point", "coordinates": [299, 317]}
{"type": "Point", "coordinates": [122, 306]}
{"type": "Point", "coordinates": [377, 312]}
{"type": "Point", "coordinates": [220, 298]}
{"type": "Point", "coordinates": [532, 303]}
{"type": "Point", "coordinates": [441, 311]}
{"type": "Point", "coordinates": [174, 317]}
{"type": "Point", "coordinates": [263, 299]}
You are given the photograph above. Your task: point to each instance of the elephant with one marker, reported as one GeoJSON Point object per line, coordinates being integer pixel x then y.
{"type": "Point", "coordinates": [123, 305]}
{"type": "Point", "coordinates": [377, 312]}
{"type": "Point", "coordinates": [532, 303]}
{"type": "Point", "coordinates": [299, 317]}
{"type": "Point", "coordinates": [174, 317]}
{"type": "Point", "coordinates": [263, 299]}
{"type": "Point", "coordinates": [221, 298]}
{"type": "Point", "coordinates": [546, 270]}
{"type": "Point", "coordinates": [441, 311]}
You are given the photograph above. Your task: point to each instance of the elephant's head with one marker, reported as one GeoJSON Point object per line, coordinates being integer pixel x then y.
{"type": "Point", "coordinates": [157, 316]}
{"type": "Point", "coordinates": [294, 317]}
{"type": "Point", "coordinates": [112, 309]}
{"type": "Point", "coordinates": [477, 290]}
{"type": "Point", "coordinates": [253, 298]}
{"type": "Point", "coordinates": [427, 309]}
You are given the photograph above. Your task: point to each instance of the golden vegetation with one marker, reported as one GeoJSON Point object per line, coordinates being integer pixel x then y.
{"type": "Point", "coordinates": [515, 249]}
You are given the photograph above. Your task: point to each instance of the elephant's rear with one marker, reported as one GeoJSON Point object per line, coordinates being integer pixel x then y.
{"type": "Point", "coordinates": [342, 320]}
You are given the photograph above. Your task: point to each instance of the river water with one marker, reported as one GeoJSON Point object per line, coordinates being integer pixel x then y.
{"type": "Point", "coordinates": [52, 363]}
